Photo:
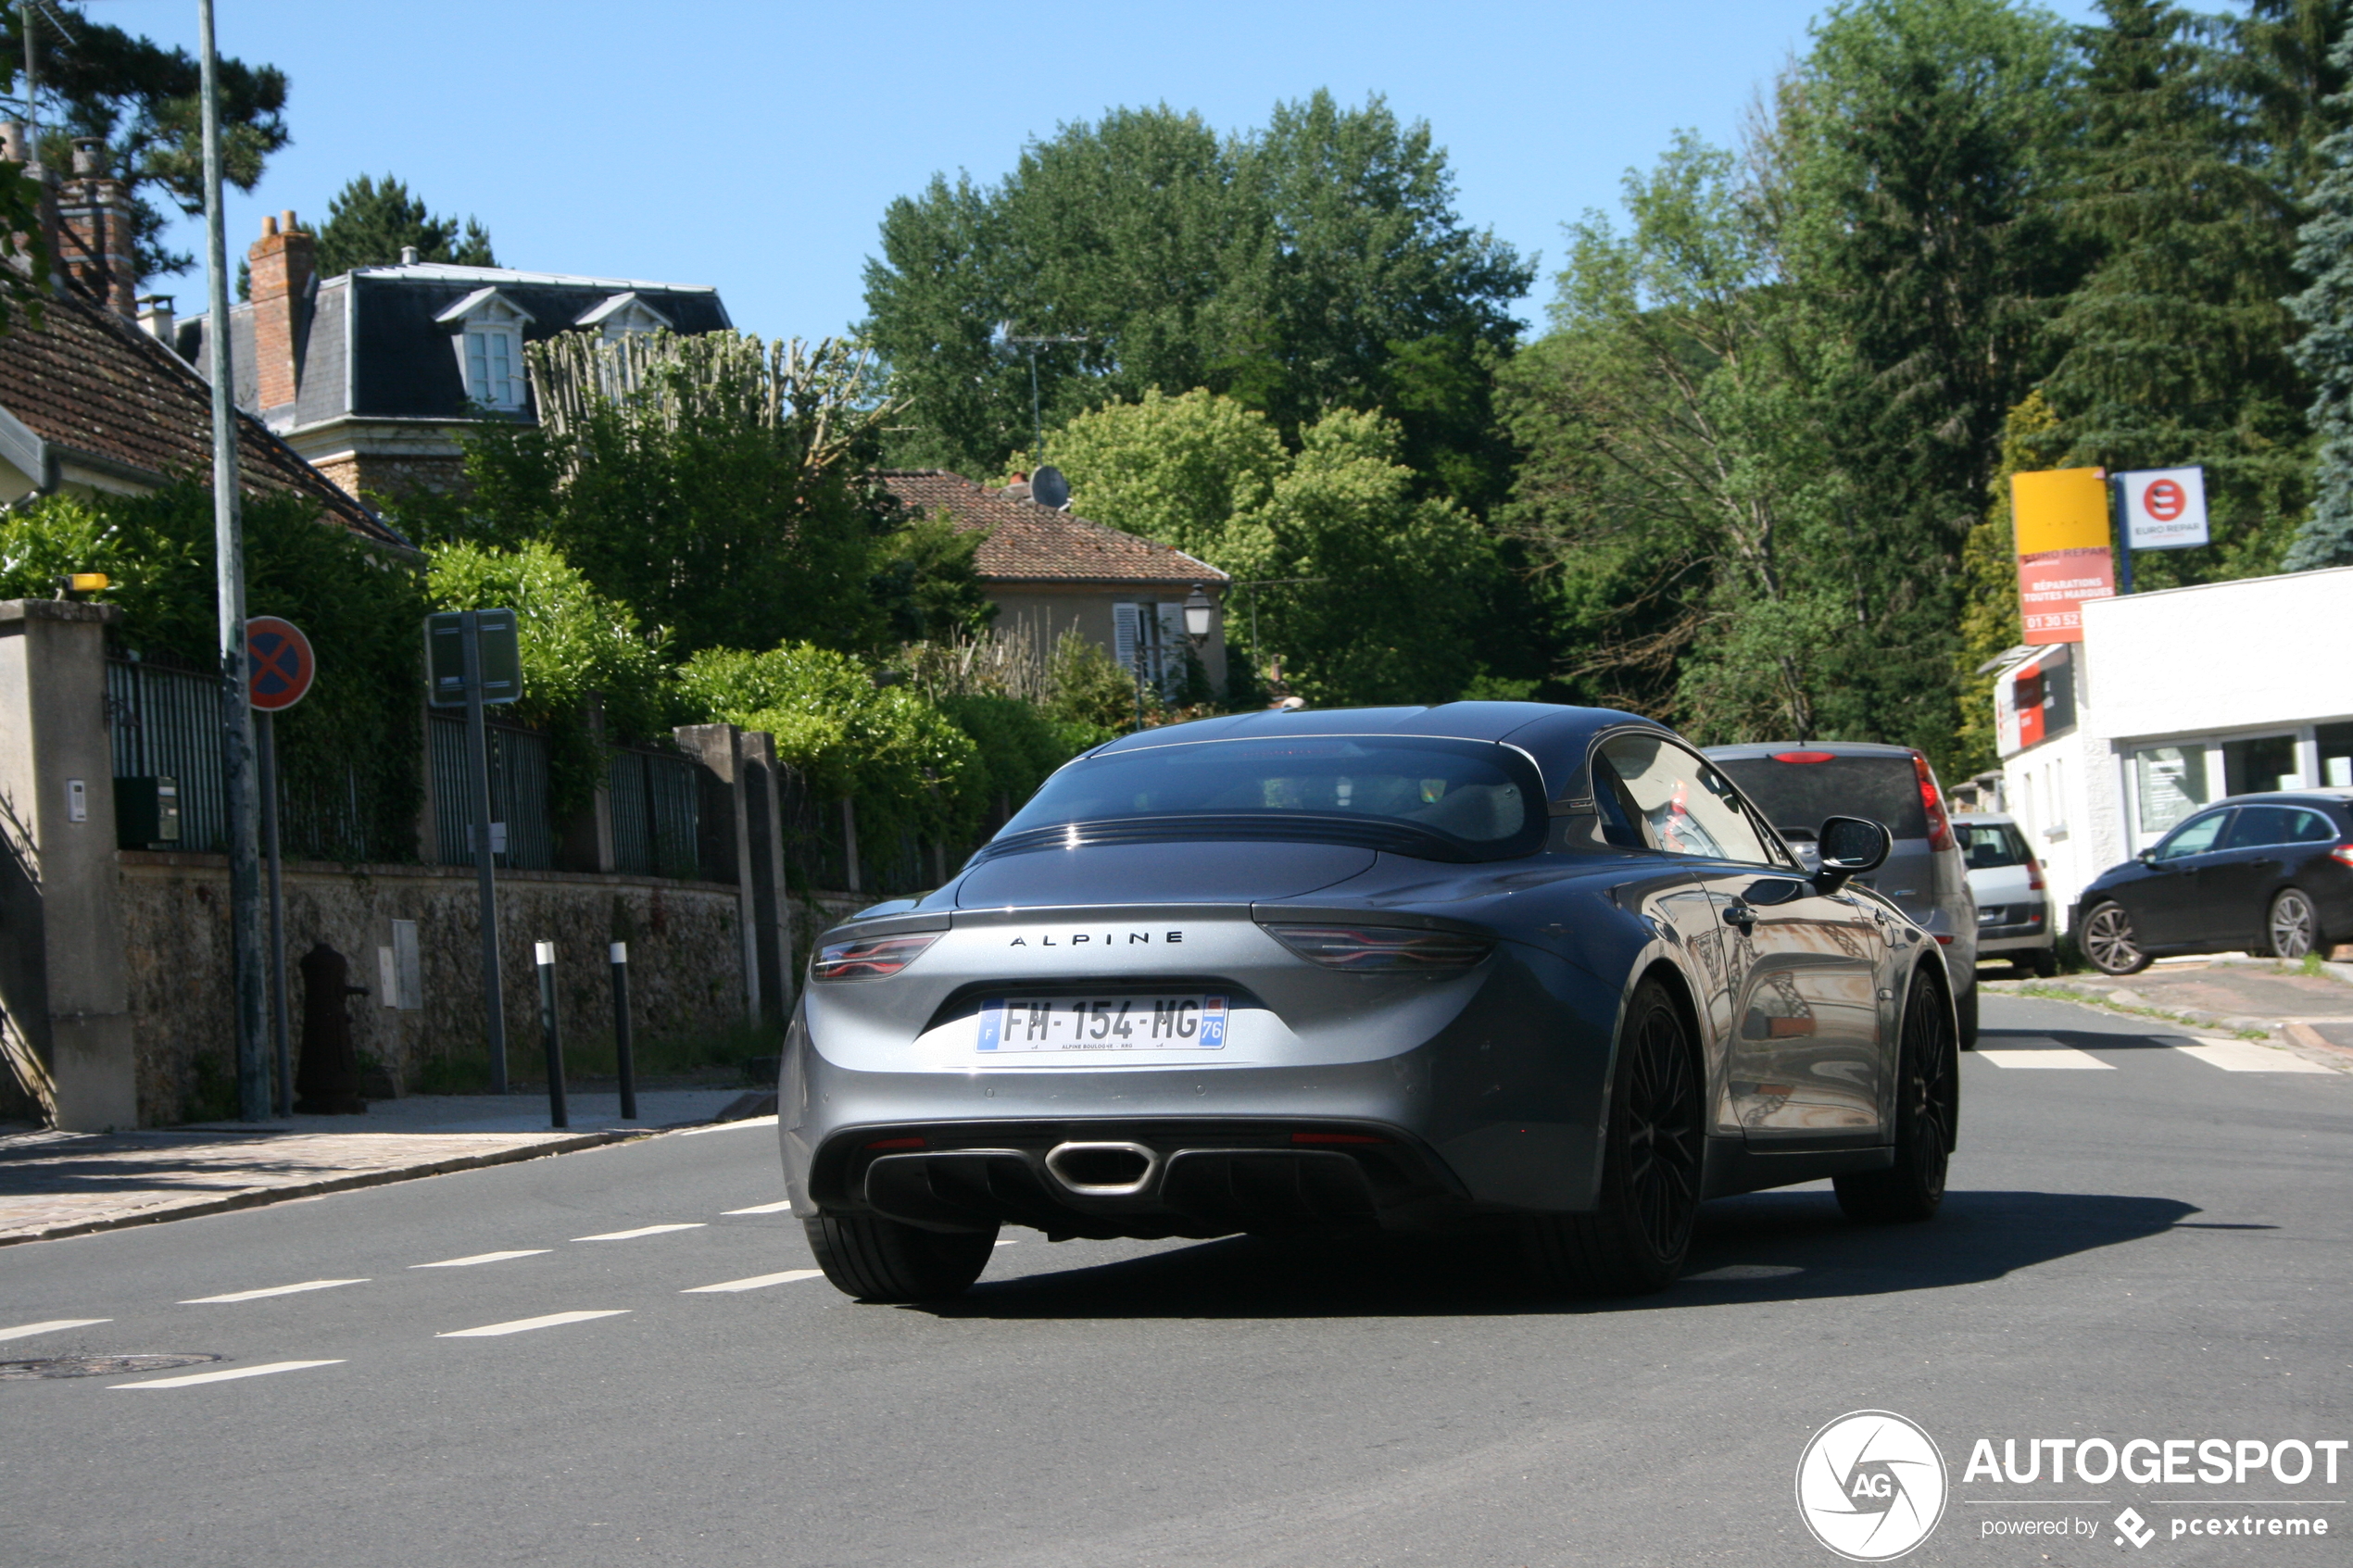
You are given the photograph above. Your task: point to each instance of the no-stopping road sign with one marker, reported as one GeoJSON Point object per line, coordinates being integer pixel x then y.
{"type": "Point", "coordinates": [279, 663]}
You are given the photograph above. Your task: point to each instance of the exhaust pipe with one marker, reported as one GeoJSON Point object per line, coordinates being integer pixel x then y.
{"type": "Point", "coordinates": [1103, 1169]}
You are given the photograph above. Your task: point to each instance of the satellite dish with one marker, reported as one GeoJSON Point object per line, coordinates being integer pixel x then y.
{"type": "Point", "coordinates": [1049, 488]}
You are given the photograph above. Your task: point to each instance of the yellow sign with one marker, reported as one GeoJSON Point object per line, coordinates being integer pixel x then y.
{"type": "Point", "coordinates": [2059, 509]}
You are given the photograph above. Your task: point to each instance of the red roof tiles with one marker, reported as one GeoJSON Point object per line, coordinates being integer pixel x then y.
{"type": "Point", "coordinates": [1030, 543]}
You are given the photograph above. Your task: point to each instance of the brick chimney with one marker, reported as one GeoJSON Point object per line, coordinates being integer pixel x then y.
{"type": "Point", "coordinates": [283, 262]}
{"type": "Point", "coordinates": [94, 231]}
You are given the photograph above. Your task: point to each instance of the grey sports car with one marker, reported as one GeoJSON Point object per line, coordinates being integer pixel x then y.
{"type": "Point", "coordinates": [1509, 966]}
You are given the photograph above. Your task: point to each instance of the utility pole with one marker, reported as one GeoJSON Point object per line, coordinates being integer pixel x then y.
{"type": "Point", "coordinates": [236, 711]}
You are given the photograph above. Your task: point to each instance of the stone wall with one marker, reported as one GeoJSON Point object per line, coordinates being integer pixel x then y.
{"type": "Point", "coordinates": [684, 953]}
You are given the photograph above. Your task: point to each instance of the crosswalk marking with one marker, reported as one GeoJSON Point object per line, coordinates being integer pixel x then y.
{"type": "Point", "coordinates": [765, 1208]}
{"type": "Point", "coordinates": [24, 1330]}
{"type": "Point", "coordinates": [2247, 1056]}
{"type": "Point", "coordinates": [754, 1283]}
{"type": "Point", "coordinates": [273, 1290]}
{"type": "Point", "coordinates": [233, 1372]}
{"type": "Point", "coordinates": [2047, 1057]}
{"type": "Point", "coordinates": [641, 1230]}
{"type": "Point", "coordinates": [481, 1257]}
{"type": "Point", "coordinates": [522, 1325]}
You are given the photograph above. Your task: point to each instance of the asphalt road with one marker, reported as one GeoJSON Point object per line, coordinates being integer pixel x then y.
{"type": "Point", "coordinates": [2141, 1245]}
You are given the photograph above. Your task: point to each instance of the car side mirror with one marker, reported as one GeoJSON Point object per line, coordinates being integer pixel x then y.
{"type": "Point", "coordinates": [1850, 845]}
{"type": "Point", "coordinates": [2146, 857]}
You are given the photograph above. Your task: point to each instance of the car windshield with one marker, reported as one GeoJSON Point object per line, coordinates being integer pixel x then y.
{"type": "Point", "coordinates": [1796, 796]}
{"type": "Point", "coordinates": [1989, 845]}
{"type": "Point", "coordinates": [1470, 798]}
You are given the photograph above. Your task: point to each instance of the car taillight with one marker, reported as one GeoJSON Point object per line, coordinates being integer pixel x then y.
{"type": "Point", "coordinates": [1804, 756]}
{"type": "Point", "coordinates": [2033, 874]}
{"type": "Point", "coordinates": [2342, 854]}
{"type": "Point", "coordinates": [1377, 950]}
{"type": "Point", "coordinates": [1939, 826]}
{"type": "Point", "coordinates": [869, 957]}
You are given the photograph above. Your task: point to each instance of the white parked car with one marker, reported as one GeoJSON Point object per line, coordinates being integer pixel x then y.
{"type": "Point", "coordinates": [2014, 915]}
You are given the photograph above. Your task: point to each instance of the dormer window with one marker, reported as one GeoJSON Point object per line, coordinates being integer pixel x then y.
{"type": "Point", "coordinates": [489, 346]}
{"type": "Point", "coordinates": [623, 315]}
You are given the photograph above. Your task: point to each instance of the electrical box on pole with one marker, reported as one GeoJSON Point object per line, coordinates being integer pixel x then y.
{"type": "Point", "coordinates": [473, 659]}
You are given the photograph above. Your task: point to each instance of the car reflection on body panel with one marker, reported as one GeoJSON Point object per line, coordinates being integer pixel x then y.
{"type": "Point", "coordinates": [1503, 966]}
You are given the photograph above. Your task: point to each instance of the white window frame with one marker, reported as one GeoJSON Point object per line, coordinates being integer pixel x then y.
{"type": "Point", "coordinates": [489, 323]}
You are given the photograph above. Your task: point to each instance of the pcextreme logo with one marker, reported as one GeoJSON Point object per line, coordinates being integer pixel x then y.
{"type": "Point", "coordinates": [1871, 1485]}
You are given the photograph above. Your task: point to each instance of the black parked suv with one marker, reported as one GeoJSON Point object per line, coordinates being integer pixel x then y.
{"type": "Point", "coordinates": [2268, 874]}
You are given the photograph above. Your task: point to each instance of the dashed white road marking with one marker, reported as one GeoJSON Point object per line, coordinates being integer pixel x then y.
{"type": "Point", "coordinates": [764, 1208]}
{"type": "Point", "coordinates": [24, 1330]}
{"type": "Point", "coordinates": [233, 1372]}
{"type": "Point", "coordinates": [273, 1290]}
{"type": "Point", "coordinates": [2047, 1057]}
{"type": "Point", "coordinates": [754, 1283]}
{"type": "Point", "coordinates": [2247, 1056]}
{"type": "Point", "coordinates": [641, 1230]}
{"type": "Point", "coordinates": [729, 1126]}
{"type": "Point", "coordinates": [481, 1257]}
{"type": "Point", "coordinates": [1009, 1241]}
{"type": "Point", "coordinates": [522, 1325]}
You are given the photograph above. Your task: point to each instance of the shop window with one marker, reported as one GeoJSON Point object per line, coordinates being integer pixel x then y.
{"type": "Point", "coordinates": [2336, 754]}
{"type": "Point", "coordinates": [2264, 763]}
{"type": "Point", "coordinates": [2168, 782]}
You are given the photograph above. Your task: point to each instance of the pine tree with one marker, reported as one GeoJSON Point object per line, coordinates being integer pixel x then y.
{"type": "Point", "coordinates": [2325, 255]}
{"type": "Point", "coordinates": [2177, 343]}
{"type": "Point", "coordinates": [370, 222]}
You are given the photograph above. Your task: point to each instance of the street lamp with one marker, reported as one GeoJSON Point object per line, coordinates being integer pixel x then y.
{"type": "Point", "coordinates": [1198, 610]}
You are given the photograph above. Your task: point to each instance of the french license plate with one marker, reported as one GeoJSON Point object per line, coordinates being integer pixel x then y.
{"type": "Point", "coordinates": [1103, 1023]}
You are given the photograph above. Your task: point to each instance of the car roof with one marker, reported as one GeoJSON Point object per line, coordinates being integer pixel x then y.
{"type": "Point", "coordinates": [1555, 734]}
{"type": "Point", "coordinates": [1747, 751]}
{"type": "Point", "coordinates": [2323, 797]}
{"type": "Point", "coordinates": [2002, 817]}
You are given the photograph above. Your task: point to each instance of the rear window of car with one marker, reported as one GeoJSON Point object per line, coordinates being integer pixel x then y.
{"type": "Point", "coordinates": [2259, 825]}
{"type": "Point", "coordinates": [1471, 796]}
{"type": "Point", "coordinates": [1987, 846]}
{"type": "Point", "coordinates": [1795, 796]}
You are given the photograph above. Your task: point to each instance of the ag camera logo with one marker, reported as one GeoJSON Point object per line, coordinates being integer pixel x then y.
{"type": "Point", "coordinates": [1871, 1485]}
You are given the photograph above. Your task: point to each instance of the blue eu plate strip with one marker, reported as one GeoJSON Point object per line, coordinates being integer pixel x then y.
{"type": "Point", "coordinates": [992, 1024]}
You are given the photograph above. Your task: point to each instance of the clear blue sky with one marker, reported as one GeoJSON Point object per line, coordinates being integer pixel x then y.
{"type": "Point", "coordinates": [754, 144]}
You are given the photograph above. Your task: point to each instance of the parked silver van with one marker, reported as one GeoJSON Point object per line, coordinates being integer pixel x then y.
{"type": "Point", "coordinates": [1798, 783]}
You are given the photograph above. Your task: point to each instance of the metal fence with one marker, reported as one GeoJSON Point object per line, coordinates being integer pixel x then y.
{"type": "Point", "coordinates": [166, 722]}
{"type": "Point", "coordinates": [655, 797]}
{"type": "Point", "coordinates": [518, 795]}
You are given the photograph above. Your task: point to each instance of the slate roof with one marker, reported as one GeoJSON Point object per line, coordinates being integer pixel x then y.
{"type": "Point", "coordinates": [371, 348]}
{"type": "Point", "coordinates": [1030, 543]}
{"type": "Point", "coordinates": [87, 386]}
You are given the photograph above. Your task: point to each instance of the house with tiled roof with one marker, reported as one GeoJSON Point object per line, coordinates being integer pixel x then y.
{"type": "Point", "coordinates": [90, 403]}
{"type": "Point", "coordinates": [1047, 570]}
{"type": "Point", "coordinates": [375, 374]}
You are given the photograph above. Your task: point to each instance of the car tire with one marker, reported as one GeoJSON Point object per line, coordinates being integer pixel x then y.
{"type": "Point", "coordinates": [1927, 1115]}
{"type": "Point", "coordinates": [2043, 962]}
{"type": "Point", "coordinates": [2107, 940]}
{"type": "Point", "coordinates": [1640, 1230]}
{"type": "Point", "coordinates": [877, 1258]}
{"type": "Point", "coordinates": [2294, 925]}
{"type": "Point", "coordinates": [1966, 1010]}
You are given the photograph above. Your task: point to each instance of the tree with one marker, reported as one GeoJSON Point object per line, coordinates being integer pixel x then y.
{"type": "Point", "coordinates": [2176, 345]}
{"type": "Point", "coordinates": [143, 100]}
{"type": "Point", "coordinates": [369, 223]}
{"type": "Point", "coordinates": [2325, 255]}
{"type": "Point", "coordinates": [1314, 265]}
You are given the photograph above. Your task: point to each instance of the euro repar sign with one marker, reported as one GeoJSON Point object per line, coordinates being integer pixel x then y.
{"type": "Point", "coordinates": [2164, 508]}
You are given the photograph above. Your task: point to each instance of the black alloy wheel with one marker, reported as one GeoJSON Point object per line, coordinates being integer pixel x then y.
{"type": "Point", "coordinates": [2108, 941]}
{"type": "Point", "coordinates": [1928, 1104]}
{"type": "Point", "coordinates": [2294, 925]}
{"type": "Point", "coordinates": [877, 1258]}
{"type": "Point", "coordinates": [1639, 1234]}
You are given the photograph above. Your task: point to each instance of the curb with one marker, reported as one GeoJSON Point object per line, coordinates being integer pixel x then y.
{"type": "Point", "coordinates": [256, 1197]}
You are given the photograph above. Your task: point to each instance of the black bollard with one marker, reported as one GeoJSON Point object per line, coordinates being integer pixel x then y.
{"type": "Point", "coordinates": [545, 953]}
{"type": "Point", "coordinates": [621, 1044]}
{"type": "Point", "coordinates": [328, 1081]}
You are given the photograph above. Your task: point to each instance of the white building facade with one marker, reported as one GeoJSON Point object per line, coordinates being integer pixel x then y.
{"type": "Point", "coordinates": [2171, 700]}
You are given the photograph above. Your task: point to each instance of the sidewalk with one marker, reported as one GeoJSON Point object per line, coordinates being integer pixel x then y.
{"type": "Point", "coordinates": [57, 1185]}
{"type": "Point", "coordinates": [2312, 1013]}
